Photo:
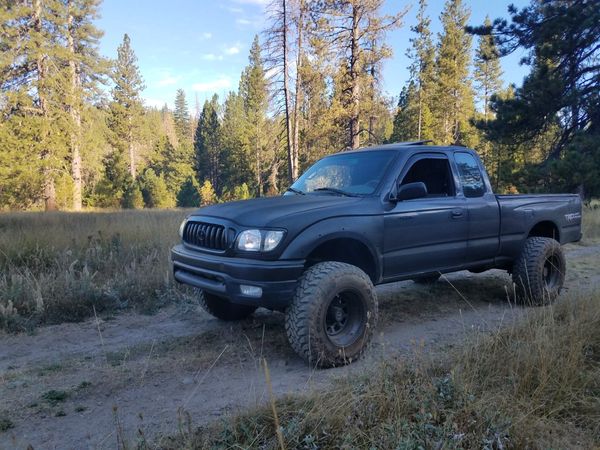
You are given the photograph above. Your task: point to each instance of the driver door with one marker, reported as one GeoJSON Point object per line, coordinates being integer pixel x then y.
{"type": "Point", "coordinates": [426, 234]}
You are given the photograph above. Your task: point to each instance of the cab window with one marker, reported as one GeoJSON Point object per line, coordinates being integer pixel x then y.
{"type": "Point", "coordinates": [470, 175]}
{"type": "Point", "coordinates": [435, 173]}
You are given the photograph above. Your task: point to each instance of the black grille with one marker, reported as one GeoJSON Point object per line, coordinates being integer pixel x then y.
{"type": "Point", "coordinates": [205, 235]}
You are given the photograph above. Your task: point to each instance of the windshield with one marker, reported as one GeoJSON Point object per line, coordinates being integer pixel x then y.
{"type": "Point", "coordinates": [350, 173]}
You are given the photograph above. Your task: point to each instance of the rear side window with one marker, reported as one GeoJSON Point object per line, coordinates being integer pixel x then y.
{"type": "Point", "coordinates": [470, 175]}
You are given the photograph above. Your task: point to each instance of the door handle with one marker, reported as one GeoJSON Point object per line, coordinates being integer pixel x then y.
{"type": "Point", "coordinates": [457, 213]}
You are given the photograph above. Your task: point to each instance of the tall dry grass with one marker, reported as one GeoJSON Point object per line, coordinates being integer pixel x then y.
{"type": "Point", "coordinates": [57, 267]}
{"type": "Point", "coordinates": [591, 222]}
{"type": "Point", "coordinates": [534, 384]}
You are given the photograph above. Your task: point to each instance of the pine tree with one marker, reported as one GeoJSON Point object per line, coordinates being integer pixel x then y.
{"type": "Point", "coordinates": [487, 71]}
{"type": "Point", "coordinates": [126, 108]}
{"type": "Point", "coordinates": [85, 68]}
{"type": "Point", "coordinates": [182, 119]}
{"type": "Point", "coordinates": [207, 143]}
{"type": "Point", "coordinates": [155, 192]}
{"type": "Point", "coordinates": [454, 98]}
{"type": "Point", "coordinates": [189, 195]}
{"type": "Point", "coordinates": [254, 92]}
{"type": "Point", "coordinates": [207, 194]}
{"type": "Point", "coordinates": [355, 31]}
{"type": "Point", "coordinates": [421, 69]}
{"type": "Point", "coordinates": [237, 155]}
{"type": "Point", "coordinates": [33, 77]}
{"type": "Point", "coordinates": [406, 120]}
{"type": "Point", "coordinates": [555, 114]}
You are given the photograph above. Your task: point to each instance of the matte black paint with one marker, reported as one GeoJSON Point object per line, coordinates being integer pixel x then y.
{"type": "Point", "coordinates": [404, 239]}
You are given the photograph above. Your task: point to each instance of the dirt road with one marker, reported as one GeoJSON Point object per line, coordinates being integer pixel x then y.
{"type": "Point", "coordinates": [67, 386]}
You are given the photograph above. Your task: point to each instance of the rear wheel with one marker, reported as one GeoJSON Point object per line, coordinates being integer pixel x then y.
{"type": "Point", "coordinates": [333, 314]}
{"type": "Point", "coordinates": [223, 309]}
{"type": "Point", "coordinates": [539, 272]}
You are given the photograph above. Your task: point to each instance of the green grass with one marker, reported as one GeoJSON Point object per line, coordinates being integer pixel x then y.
{"type": "Point", "coordinates": [54, 397]}
{"type": "Point", "coordinates": [535, 384]}
{"type": "Point", "coordinates": [58, 267]}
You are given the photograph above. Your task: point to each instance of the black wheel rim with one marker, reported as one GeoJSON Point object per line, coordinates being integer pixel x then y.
{"type": "Point", "coordinates": [345, 318]}
{"type": "Point", "coordinates": [551, 272]}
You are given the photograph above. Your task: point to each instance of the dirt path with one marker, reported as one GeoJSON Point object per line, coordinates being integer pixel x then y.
{"type": "Point", "coordinates": [67, 386]}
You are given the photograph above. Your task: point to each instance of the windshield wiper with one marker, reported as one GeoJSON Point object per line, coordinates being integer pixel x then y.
{"type": "Point", "coordinates": [295, 191]}
{"type": "Point", "coordinates": [336, 191]}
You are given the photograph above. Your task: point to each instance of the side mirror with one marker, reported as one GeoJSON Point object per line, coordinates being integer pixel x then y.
{"type": "Point", "coordinates": [411, 191]}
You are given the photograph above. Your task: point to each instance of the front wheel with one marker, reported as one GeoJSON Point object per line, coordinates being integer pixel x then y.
{"type": "Point", "coordinates": [539, 272]}
{"type": "Point", "coordinates": [333, 314]}
{"type": "Point", "coordinates": [223, 309]}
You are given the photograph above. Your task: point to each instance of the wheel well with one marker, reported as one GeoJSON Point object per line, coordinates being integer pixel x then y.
{"type": "Point", "coordinates": [346, 250]}
{"type": "Point", "coordinates": [545, 229]}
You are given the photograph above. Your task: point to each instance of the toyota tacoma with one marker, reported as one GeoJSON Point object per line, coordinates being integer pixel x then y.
{"type": "Point", "coordinates": [356, 219]}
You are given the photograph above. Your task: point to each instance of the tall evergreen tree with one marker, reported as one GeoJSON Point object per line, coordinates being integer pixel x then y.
{"type": "Point", "coordinates": [414, 117]}
{"type": "Point", "coordinates": [254, 92]}
{"type": "Point", "coordinates": [487, 71]}
{"type": "Point", "coordinates": [207, 144]}
{"type": "Point", "coordinates": [237, 167]}
{"type": "Point", "coordinates": [86, 66]}
{"type": "Point", "coordinates": [32, 75]}
{"type": "Point", "coordinates": [454, 96]}
{"type": "Point", "coordinates": [181, 116]}
{"type": "Point", "coordinates": [559, 98]}
{"type": "Point", "coordinates": [126, 108]}
{"type": "Point", "coordinates": [355, 31]}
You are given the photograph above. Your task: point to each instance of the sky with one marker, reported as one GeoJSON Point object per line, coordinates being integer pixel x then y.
{"type": "Point", "coordinates": [201, 46]}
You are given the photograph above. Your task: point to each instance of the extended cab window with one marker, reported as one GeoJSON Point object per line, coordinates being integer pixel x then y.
{"type": "Point", "coordinates": [470, 175]}
{"type": "Point", "coordinates": [435, 173]}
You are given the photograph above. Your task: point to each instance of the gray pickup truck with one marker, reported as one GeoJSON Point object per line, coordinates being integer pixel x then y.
{"type": "Point", "coordinates": [360, 218]}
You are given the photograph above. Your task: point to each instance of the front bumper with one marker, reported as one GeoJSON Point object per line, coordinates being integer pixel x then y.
{"type": "Point", "coordinates": [222, 276]}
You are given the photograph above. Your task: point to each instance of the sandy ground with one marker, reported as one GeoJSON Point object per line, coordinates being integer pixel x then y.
{"type": "Point", "coordinates": [72, 386]}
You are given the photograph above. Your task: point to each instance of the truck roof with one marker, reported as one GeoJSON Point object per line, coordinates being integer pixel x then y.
{"type": "Point", "coordinates": [404, 146]}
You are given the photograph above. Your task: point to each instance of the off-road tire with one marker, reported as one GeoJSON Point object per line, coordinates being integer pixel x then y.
{"type": "Point", "coordinates": [429, 279]}
{"type": "Point", "coordinates": [539, 271]}
{"type": "Point", "coordinates": [223, 309]}
{"type": "Point", "coordinates": [320, 288]}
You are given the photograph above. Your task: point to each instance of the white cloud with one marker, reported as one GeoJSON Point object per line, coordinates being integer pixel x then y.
{"type": "Point", "coordinates": [212, 57]}
{"type": "Point", "coordinates": [243, 22]}
{"type": "Point", "coordinates": [232, 50]}
{"type": "Point", "coordinates": [168, 80]}
{"type": "Point", "coordinates": [235, 10]}
{"type": "Point", "coordinates": [211, 86]}
{"type": "Point", "coordinates": [206, 36]}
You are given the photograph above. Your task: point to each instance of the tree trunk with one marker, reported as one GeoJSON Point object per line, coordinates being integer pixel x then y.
{"type": "Point", "coordinates": [258, 165]}
{"type": "Point", "coordinates": [296, 141]}
{"type": "Point", "coordinates": [75, 116]}
{"type": "Point", "coordinates": [131, 149]}
{"type": "Point", "coordinates": [372, 113]}
{"type": "Point", "coordinates": [354, 81]}
{"type": "Point", "coordinates": [49, 193]}
{"type": "Point", "coordinates": [286, 93]}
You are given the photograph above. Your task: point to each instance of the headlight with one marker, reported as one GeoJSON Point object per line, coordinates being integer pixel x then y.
{"type": "Point", "coordinates": [257, 240]}
{"type": "Point", "coordinates": [250, 240]}
{"type": "Point", "coordinates": [182, 227]}
{"type": "Point", "coordinates": [272, 240]}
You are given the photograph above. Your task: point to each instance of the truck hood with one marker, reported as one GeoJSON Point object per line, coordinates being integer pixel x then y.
{"type": "Point", "coordinates": [282, 210]}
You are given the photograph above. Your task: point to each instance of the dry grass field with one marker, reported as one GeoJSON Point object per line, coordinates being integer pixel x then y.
{"type": "Point", "coordinates": [535, 384]}
{"type": "Point", "coordinates": [59, 267]}
{"type": "Point", "coordinates": [532, 382]}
